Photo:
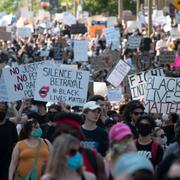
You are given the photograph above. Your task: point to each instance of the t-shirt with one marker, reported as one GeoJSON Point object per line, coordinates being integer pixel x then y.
{"type": "Point", "coordinates": [145, 150]}
{"type": "Point", "coordinates": [96, 139]}
{"type": "Point", "coordinates": [8, 138]}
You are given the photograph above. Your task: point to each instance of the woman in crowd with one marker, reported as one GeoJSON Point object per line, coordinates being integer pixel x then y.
{"type": "Point", "coordinates": [30, 153]}
{"type": "Point", "coordinates": [66, 160]}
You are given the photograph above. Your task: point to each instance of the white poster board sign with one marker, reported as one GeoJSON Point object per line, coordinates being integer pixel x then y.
{"type": "Point", "coordinates": [80, 50]}
{"type": "Point", "coordinates": [163, 89]}
{"type": "Point", "coordinates": [118, 73]}
{"type": "Point", "coordinates": [55, 84]}
{"type": "Point", "coordinates": [24, 32]}
{"type": "Point", "coordinates": [137, 82]}
{"type": "Point", "coordinates": [100, 88]}
{"type": "Point", "coordinates": [20, 80]}
{"type": "Point", "coordinates": [134, 42]}
{"type": "Point", "coordinates": [132, 25]}
{"type": "Point", "coordinates": [114, 95]}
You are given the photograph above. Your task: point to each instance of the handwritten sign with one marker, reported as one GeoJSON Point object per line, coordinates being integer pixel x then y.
{"type": "Point", "coordinates": [114, 95]}
{"type": "Point", "coordinates": [20, 80]}
{"type": "Point", "coordinates": [134, 42]}
{"type": "Point", "coordinates": [118, 73]}
{"type": "Point", "coordinates": [80, 50]}
{"type": "Point", "coordinates": [138, 81]}
{"type": "Point", "coordinates": [167, 57]}
{"type": "Point", "coordinates": [56, 84]}
{"type": "Point", "coordinates": [23, 32]}
{"type": "Point", "coordinates": [163, 89]}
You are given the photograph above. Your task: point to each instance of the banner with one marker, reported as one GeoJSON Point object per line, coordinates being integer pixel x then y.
{"type": "Point", "coordinates": [163, 89]}
{"type": "Point", "coordinates": [137, 82]}
{"type": "Point", "coordinates": [167, 57]}
{"type": "Point", "coordinates": [114, 95]}
{"type": "Point", "coordinates": [80, 50]}
{"type": "Point", "coordinates": [118, 73]}
{"type": "Point", "coordinates": [55, 84]}
{"type": "Point", "coordinates": [20, 80]}
{"type": "Point", "coordinates": [134, 42]}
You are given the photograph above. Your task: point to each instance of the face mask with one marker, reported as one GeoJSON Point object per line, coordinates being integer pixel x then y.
{"type": "Point", "coordinates": [75, 162]}
{"type": "Point", "coordinates": [163, 140]}
{"type": "Point", "coordinates": [34, 108]}
{"type": "Point", "coordinates": [144, 129]}
{"type": "Point", "coordinates": [37, 133]}
{"type": "Point", "coordinates": [2, 115]}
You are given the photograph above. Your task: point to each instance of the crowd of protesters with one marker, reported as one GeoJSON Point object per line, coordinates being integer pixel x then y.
{"type": "Point", "coordinates": [56, 141]}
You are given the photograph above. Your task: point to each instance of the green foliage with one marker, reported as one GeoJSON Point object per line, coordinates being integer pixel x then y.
{"type": "Point", "coordinates": [8, 6]}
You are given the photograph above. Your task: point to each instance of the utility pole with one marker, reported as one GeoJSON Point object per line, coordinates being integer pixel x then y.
{"type": "Point", "coordinates": [138, 7]}
{"type": "Point", "coordinates": [120, 10]}
{"type": "Point", "coordinates": [149, 17]}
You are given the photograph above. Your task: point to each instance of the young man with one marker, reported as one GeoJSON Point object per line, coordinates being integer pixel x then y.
{"type": "Point", "coordinates": [95, 137]}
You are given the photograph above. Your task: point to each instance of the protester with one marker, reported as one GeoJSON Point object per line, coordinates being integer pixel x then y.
{"type": "Point", "coordinates": [30, 153]}
{"type": "Point", "coordinates": [66, 160]}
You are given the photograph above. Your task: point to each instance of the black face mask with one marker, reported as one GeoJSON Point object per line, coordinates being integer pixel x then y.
{"type": "Point", "coordinates": [144, 129]}
{"type": "Point", "coordinates": [2, 115]}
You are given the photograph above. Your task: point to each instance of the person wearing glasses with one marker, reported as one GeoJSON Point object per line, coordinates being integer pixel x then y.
{"type": "Point", "coordinates": [133, 110]}
{"type": "Point", "coordinates": [95, 137]}
{"type": "Point", "coordinates": [66, 160]}
{"type": "Point", "coordinates": [145, 143]}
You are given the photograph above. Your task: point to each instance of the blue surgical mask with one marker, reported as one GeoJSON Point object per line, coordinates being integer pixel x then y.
{"type": "Point", "coordinates": [37, 133]}
{"type": "Point", "coordinates": [75, 162]}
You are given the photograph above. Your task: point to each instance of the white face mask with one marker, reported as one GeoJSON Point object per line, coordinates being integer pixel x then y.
{"type": "Point", "coordinates": [34, 108]}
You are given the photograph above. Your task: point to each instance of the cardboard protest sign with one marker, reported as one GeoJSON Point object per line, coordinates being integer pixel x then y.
{"type": "Point", "coordinates": [80, 50]}
{"type": "Point", "coordinates": [3, 90]}
{"type": "Point", "coordinates": [24, 32]}
{"type": "Point", "coordinates": [78, 29]}
{"type": "Point", "coordinates": [100, 88]}
{"type": "Point", "coordinates": [134, 42]}
{"type": "Point", "coordinates": [58, 51]}
{"type": "Point", "coordinates": [6, 36]}
{"type": "Point", "coordinates": [55, 84]}
{"type": "Point", "coordinates": [112, 37]}
{"type": "Point", "coordinates": [163, 89]}
{"type": "Point", "coordinates": [20, 80]}
{"type": "Point", "coordinates": [137, 82]}
{"type": "Point", "coordinates": [114, 95]}
{"type": "Point", "coordinates": [118, 73]}
{"type": "Point", "coordinates": [162, 107]}
{"type": "Point", "coordinates": [167, 57]}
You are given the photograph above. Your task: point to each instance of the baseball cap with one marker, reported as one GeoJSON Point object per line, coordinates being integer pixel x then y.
{"type": "Point", "coordinates": [119, 131]}
{"type": "Point", "coordinates": [92, 105]}
{"type": "Point", "coordinates": [132, 162]}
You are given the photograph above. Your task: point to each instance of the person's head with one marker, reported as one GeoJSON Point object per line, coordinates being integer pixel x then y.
{"type": "Point", "coordinates": [145, 125]}
{"type": "Point", "coordinates": [3, 110]}
{"type": "Point", "coordinates": [139, 167]}
{"type": "Point", "coordinates": [30, 129]}
{"type": "Point", "coordinates": [66, 154]}
{"type": "Point", "coordinates": [160, 136]}
{"type": "Point", "coordinates": [91, 111]}
{"type": "Point", "coordinates": [69, 123]}
{"type": "Point", "coordinates": [121, 140]}
{"type": "Point", "coordinates": [133, 110]}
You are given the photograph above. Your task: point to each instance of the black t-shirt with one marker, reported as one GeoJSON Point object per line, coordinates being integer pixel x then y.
{"type": "Point", "coordinates": [96, 139]}
{"type": "Point", "coordinates": [146, 150]}
{"type": "Point", "coordinates": [8, 138]}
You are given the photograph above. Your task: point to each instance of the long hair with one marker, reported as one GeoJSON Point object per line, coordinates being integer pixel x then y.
{"type": "Point", "coordinates": [57, 163]}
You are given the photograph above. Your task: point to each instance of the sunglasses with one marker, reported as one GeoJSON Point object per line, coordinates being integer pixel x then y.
{"type": "Point", "coordinates": [72, 152]}
{"type": "Point", "coordinates": [138, 113]}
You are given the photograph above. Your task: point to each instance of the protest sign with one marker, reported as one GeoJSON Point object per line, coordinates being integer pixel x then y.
{"type": "Point", "coordinates": [61, 84]}
{"type": "Point", "coordinates": [137, 82]}
{"type": "Point", "coordinates": [111, 21]}
{"type": "Point", "coordinates": [78, 29]}
{"type": "Point", "coordinates": [3, 90]}
{"type": "Point", "coordinates": [134, 42]}
{"type": "Point", "coordinates": [100, 88]}
{"type": "Point", "coordinates": [20, 80]}
{"type": "Point", "coordinates": [118, 73]}
{"type": "Point", "coordinates": [167, 57]}
{"type": "Point", "coordinates": [80, 50]}
{"type": "Point", "coordinates": [163, 89]}
{"type": "Point", "coordinates": [162, 107]}
{"type": "Point", "coordinates": [177, 19]}
{"type": "Point", "coordinates": [6, 36]}
{"type": "Point", "coordinates": [114, 94]}
{"type": "Point", "coordinates": [44, 53]}
{"type": "Point", "coordinates": [24, 32]}
{"type": "Point", "coordinates": [132, 25]}
{"type": "Point", "coordinates": [112, 37]}
{"type": "Point", "coordinates": [94, 30]}
{"type": "Point", "coordinates": [175, 33]}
